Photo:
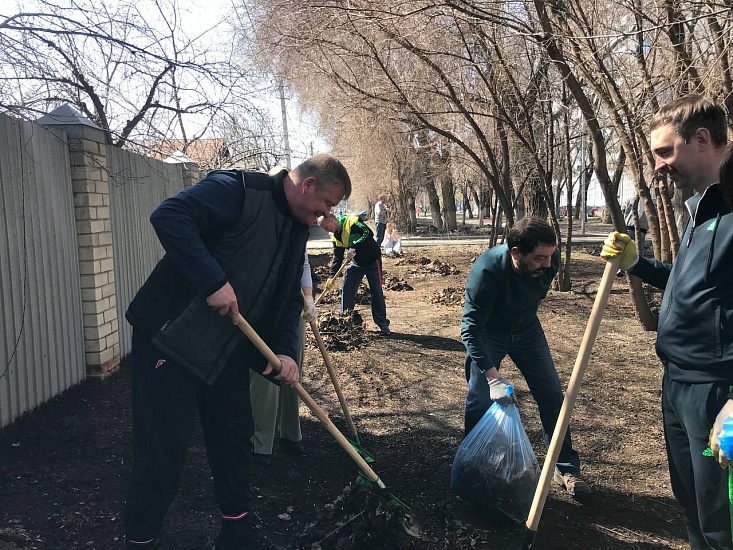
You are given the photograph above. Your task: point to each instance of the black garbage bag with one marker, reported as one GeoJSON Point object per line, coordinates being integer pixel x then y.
{"type": "Point", "coordinates": [495, 466]}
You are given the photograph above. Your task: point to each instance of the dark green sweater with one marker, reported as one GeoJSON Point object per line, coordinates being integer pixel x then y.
{"type": "Point", "coordinates": [499, 299]}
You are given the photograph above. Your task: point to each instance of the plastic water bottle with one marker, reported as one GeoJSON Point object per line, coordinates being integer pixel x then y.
{"type": "Point", "coordinates": [726, 438]}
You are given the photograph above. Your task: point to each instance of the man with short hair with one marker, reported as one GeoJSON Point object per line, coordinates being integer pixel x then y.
{"type": "Point", "coordinates": [235, 242]}
{"type": "Point", "coordinates": [380, 218]}
{"type": "Point", "coordinates": [503, 293]}
{"type": "Point", "coordinates": [694, 335]}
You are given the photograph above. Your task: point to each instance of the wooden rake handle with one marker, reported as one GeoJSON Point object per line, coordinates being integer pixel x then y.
{"type": "Point", "coordinates": [591, 331]}
{"type": "Point", "coordinates": [343, 265]}
{"type": "Point", "coordinates": [332, 375]}
{"type": "Point", "coordinates": [265, 350]}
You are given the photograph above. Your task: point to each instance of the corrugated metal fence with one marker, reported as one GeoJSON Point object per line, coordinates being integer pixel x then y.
{"type": "Point", "coordinates": [41, 321]}
{"type": "Point", "coordinates": [41, 330]}
{"type": "Point", "coordinates": [136, 186]}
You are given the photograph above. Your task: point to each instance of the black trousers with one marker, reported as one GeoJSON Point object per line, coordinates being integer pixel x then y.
{"type": "Point", "coordinates": [699, 484]}
{"type": "Point", "coordinates": [165, 400]}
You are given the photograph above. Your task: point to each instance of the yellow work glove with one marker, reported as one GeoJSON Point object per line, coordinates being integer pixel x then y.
{"type": "Point", "coordinates": [620, 244]}
{"type": "Point", "coordinates": [329, 284]}
{"type": "Point", "coordinates": [724, 413]}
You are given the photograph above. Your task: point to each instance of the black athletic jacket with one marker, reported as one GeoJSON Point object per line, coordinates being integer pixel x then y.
{"type": "Point", "coordinates": [695, 333]}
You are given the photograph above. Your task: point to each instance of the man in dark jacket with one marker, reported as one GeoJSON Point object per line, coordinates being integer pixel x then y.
{"type": "Point", "coordinates": [694, 335]}
{"type": "Point", "coordinates": [503, 293]}
{"type": "Point", "coordinates": [234, 243]}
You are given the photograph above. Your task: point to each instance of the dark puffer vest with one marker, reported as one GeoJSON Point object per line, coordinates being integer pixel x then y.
{"type": "Point", "coordinates": [262, 257]}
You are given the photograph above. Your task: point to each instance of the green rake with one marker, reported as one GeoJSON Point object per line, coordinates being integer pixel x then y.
{"type": "Point", "coordinates": [369, 474]}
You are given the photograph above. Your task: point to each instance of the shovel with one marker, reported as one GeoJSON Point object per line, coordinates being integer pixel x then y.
{"type": "Point", "coordinates": [308, 400]}
{"type": "Point", "coordinates": [548, 469]}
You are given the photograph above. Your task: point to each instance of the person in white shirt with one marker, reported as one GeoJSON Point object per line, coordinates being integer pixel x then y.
{"type": "Point", "coordinates": [392, 241]}
{"type": "Point", "coordinates": [380, 218]}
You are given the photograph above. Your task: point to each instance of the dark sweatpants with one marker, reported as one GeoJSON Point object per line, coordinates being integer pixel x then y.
{"type": "Point", "coordinates": [699, 484]}
{"type": "Point", "coordinates": [165, 401]}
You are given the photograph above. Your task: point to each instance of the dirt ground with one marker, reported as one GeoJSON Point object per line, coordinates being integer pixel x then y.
{"type": "Point", "coordinates": [64, 467]}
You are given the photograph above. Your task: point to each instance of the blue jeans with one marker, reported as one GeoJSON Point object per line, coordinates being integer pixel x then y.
{"type": "Point", "coordinates": [381, 228]}
{"type": "Point", "coordinates": [528, 348]}
{"type": "Point", "coordinates": [352, 279]}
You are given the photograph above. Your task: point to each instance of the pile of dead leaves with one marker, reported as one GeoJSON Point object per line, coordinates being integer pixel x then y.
{"type": "Point", "coordinates": [320, 272]}
{"type": "Point", "coordinates": [430, 266]}
{"type": "Point", "coordinates": [396, 283]}
{"type": "Point", "coordinates": [341, 332]}
{"type": "Point", "coordinates": [449, 296]}
{"type": "Point", "coordinates": [363, 518]}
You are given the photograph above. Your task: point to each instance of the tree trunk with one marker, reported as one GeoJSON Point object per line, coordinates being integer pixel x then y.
{"type": "Point", "coordinates": [534, 201]}
{"type": "Point", "coordinates": [434, 202]}
{"type": "Point", "coordinates": [636, 291]}
{"type": "Point", "coordinates": [448, 194]}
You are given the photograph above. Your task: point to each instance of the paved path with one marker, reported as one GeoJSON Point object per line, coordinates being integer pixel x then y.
{"type": "Point", "coordinates": [320, 240]}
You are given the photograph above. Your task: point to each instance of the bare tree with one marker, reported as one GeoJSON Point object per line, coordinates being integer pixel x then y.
{"type": "Point", "coordinates": [135, 73]}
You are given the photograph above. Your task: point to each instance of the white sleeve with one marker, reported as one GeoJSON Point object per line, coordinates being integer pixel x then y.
{"type": "Point", "coordinates": [306, 280]}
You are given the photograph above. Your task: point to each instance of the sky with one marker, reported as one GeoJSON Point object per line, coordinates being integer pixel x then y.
{"type": "Point", "coordinates": [303, 135]}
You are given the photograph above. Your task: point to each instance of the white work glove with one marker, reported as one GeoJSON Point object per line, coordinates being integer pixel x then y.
{"type": "Point", "coordinates": [350, 253]}
{"type": "Point", "coordinates": [497, 392]}
{"type": "Point", "coordinates": [309, 309]}
{"type": "Point", "coordinates": [724, 413]}
{"type": "Point", "coordinates": [620, 244]}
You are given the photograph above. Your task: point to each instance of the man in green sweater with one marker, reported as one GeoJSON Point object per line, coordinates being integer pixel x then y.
{"type": "Point", "coordinates": [503, 293]}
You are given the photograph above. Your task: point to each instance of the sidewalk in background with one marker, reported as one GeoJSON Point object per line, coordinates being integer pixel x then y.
{"type": "Point", "coordinates": [320, 240]}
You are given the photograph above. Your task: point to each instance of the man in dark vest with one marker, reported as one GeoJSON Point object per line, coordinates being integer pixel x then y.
{"type": "Point", "coordinates": [234, 243]}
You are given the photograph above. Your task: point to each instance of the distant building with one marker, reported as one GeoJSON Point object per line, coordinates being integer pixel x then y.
{"type": "Point", "coordinates": [208, 154]}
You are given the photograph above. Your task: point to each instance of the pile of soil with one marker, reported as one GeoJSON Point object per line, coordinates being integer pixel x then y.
{"type": "Point", "coordinates": [450, 296]}
{"type": "Point", "coordinates": [397, 284]}
{"type": "Point", "coordinates": [428, 265]}
{"type": "Point", "coordinates": [320, 272]}
{"type": "Point", "coordinates": [333, 296]}
{"type": "Point", "coordinates": [341, 331]}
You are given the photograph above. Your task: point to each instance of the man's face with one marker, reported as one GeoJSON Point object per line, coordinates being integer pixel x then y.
{"type": "Point", "coordinates": [535, 263]}
{"type": "Point", "coordinates": [314, 201]}
{"type": "Point", "coordinates": [676, 158]}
